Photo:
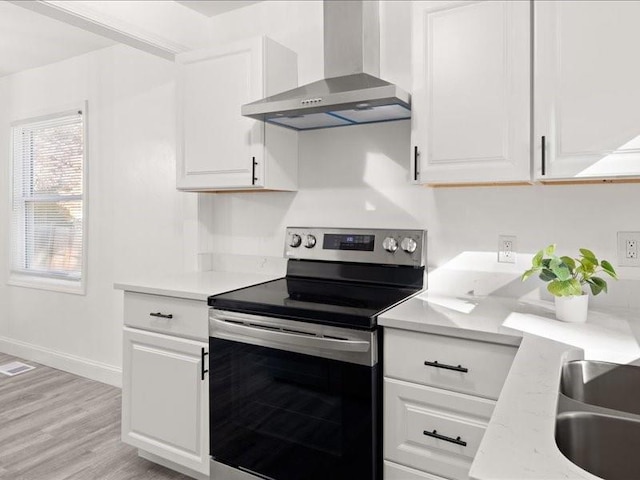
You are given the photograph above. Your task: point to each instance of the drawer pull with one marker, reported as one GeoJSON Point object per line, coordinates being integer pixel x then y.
{"type": "Point", "coordinates": [435, 434]}
{"type": "Point", "coordinates": [253, 170]}
{"type": "Point", "coordinates": [544, 155]}
{"type": "Point", "coordinates": [161, 315]}
{"type": "Point", "coordinates": [436, 364]}
{"type": "Point", "coordinates": [202, 369]}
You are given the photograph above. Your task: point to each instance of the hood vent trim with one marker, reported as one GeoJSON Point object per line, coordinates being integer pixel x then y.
{"type": "Point", "coordinates": [357, 95]}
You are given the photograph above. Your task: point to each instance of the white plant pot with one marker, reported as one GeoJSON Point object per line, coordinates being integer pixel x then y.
{"type": "Point", "coordinates": [572, 309]}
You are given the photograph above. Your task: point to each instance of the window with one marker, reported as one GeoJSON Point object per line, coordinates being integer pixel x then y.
{"type": "Point", "coordinates": [48, 210]}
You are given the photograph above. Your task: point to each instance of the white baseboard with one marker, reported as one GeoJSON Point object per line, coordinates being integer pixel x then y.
{"type": "Point", "coordinates": [84, 367]}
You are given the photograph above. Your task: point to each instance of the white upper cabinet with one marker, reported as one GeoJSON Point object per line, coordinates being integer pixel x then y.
{"type": "Point", "coordinates": [471, 92]}
{"type": "Point", "coordinates": [587, 89]}
{"type": "Point", "coordinates": [218, 148]}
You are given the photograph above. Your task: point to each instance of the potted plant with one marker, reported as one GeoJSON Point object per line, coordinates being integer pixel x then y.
{"type": "Point", "coordinates": [567, 277]}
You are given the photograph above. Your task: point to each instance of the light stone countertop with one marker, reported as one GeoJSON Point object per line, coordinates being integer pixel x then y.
{"type": "Point", "coordinates": [519, 442]}
{"type": "Point", "coordinates": [194, 285]}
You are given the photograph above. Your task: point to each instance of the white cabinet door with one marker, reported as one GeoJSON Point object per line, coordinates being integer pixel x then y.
{"type": "Point", "coordinates": [586, 89]}
{"type": "Point", "coordinates": [165, 401]}
{"type": "Point", "coordinates": [471, 92]}
{"type": "Point", "coordinates": [218, 148]}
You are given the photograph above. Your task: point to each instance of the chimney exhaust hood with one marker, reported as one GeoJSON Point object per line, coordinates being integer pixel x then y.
{"type": "Point", "coordinates": [352, 93]}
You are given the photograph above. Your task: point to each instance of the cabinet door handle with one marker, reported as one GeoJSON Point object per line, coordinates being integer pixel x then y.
{"type": "Point", "coordinates": [435, 434]}
{"type": "Point", "coordinates": [544, 154]}
{"type": "Point", "coordinates": [161, 315]}
{"type": "Point", "coordinates": [416, 154]}
{"type": "Point", "coordinates": [437, 364]}
{"type": "Point", "coordinates": [202, 369]}
{"type": "Point", "coordinates": [253, 170]}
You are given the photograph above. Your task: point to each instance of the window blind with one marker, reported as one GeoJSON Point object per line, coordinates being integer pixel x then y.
{"type": "Point", "coordinates": [48, 197]}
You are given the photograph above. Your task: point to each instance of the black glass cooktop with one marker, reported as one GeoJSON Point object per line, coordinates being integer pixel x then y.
{"type": "Point", "coordinates": [345, 304]}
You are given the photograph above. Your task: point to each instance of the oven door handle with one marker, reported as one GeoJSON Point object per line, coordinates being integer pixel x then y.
{"type": "Point", "coordinates": [295, 339]}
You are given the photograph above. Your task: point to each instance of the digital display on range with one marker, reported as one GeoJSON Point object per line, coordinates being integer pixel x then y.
{"type": "Point", "coordinates": [363, 243]}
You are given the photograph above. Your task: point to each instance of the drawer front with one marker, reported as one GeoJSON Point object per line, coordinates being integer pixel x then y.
{"type": "Point", "coordinates": [393, 471]}
{"type": "Point", "coordinates": [487, 364]}
{"type": "Point", "coordinates": [433, 430]}
{"type": "Point", "coordinates": [189, 318]}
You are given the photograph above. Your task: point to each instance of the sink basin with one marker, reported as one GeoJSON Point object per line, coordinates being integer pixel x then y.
{"type": "Point", "coordinates": [603, 445]}
{"type": "Point", "coordinates": [607, 385]}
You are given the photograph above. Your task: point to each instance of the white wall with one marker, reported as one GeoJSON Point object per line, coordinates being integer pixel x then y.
{"type": "Point", "coordinates": [296, 24]}
{"type": "Point", "coordinates": [138, 223]}
{"type": "Point", "coordinates": [358, 176]}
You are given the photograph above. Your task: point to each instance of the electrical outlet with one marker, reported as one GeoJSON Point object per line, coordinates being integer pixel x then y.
{"type": "Point", "coordinates": [507, 249]}
{"type": "Point", "coordinates": [628, 249]}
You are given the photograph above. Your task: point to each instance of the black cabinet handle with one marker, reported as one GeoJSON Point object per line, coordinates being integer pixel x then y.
{"type": "Point", "coordinates": [437, 364]}
{"type": "Point", "coordinates": [435, 434]}
{"type": "Point", "coordinates": [544, 155]}
{"type": "Point", "coordinates": [161, 315]}
{"type": "Point", "coordinates": [202, 369]}
{"type": "Point", "coordinates": [416, 154]}
{"type": "Point", "coordinates": [253, 170]}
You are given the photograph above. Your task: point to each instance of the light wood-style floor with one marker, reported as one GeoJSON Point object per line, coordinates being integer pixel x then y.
{"type": "Point", "coordinates": [55, 426]}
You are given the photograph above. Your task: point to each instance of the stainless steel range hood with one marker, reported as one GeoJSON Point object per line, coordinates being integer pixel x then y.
{"type": "Point", "coordinates": [352, 93]}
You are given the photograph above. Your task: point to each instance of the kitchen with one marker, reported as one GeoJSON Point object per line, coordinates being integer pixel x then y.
{"type": "Point", "coordinates": [141, 227]}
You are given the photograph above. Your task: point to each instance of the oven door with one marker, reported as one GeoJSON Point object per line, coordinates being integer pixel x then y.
{"type": "Point", "coordinates": [293, 401]}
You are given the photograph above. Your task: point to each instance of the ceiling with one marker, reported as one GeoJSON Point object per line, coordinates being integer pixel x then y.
{"type": "Point", "coordinates": [211, 8]}
{"type": "Point", "coordinates": [29, 40]}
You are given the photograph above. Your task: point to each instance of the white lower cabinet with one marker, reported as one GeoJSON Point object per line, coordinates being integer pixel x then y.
{"type": "Point", "coordinates": [487, 364]}
{"type": "Point", "coordinates": [393, 471]}
{"type": "Point", "coordinates": [439, 394]}
{"type": "Point", "coordinates": [433, 430]}
{"type": "Point", "coordinates": [165, 393]}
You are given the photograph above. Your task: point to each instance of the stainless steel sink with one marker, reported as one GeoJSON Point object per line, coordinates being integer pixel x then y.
{"type": "Point", "coordinates": [598, 422]}
{"type": "Point", "coordinates": [603, 445]}
{"type": "Point", "coordinates": [602, 384]}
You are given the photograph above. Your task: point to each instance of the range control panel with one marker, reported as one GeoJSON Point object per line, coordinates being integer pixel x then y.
{"type": "Point", "coordinates": [378, 246]}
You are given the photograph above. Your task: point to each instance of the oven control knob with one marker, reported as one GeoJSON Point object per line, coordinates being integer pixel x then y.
{"type": "Point", "coordinates": [409, 245]}
{"type": "Point", "coordinates": [295, 241]}
{"type": "Point", "coordinates": [310, 241]}
{"type": "Point", "coordinates": [390, 244]}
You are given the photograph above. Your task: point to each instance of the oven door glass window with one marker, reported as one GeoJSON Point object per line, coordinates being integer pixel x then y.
{"type": "Point", "coordinates": [289, 416]}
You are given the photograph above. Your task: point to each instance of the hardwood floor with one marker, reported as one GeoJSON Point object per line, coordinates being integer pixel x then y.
{"type": "Point", "coordinates": [56, 426]}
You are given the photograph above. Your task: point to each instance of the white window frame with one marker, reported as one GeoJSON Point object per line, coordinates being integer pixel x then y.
{"type": "Point", "coordinates": [32, 279]}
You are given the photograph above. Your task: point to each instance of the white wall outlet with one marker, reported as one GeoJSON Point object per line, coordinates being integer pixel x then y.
{"type": "Point", "coordinates": [628, 246]}
{"type": "Point", "coordinates": [507, 249]}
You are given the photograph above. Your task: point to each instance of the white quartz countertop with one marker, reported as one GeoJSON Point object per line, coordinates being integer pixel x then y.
{"type": "Point", "coordinates": [194, 285]}
{"type": "Point", "coordinates": [466, 317]}
{"type": "Point", "coordinates": [519, 442]}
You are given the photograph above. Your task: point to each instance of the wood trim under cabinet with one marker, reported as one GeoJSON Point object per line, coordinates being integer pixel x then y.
{"type": "Point", "coordinates": [491, 184]}
{"type": "Point", "coordinates": [597, 181]}
{"type": "Point", "coordinates": [247, 190]}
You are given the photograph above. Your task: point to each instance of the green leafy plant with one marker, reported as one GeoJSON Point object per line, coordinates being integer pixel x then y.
{"type": "Point", "coordinates": [566, 275]}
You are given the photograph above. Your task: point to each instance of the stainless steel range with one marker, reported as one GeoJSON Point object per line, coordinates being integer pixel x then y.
{"type": "Point", "coordinates": [295, 377]}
